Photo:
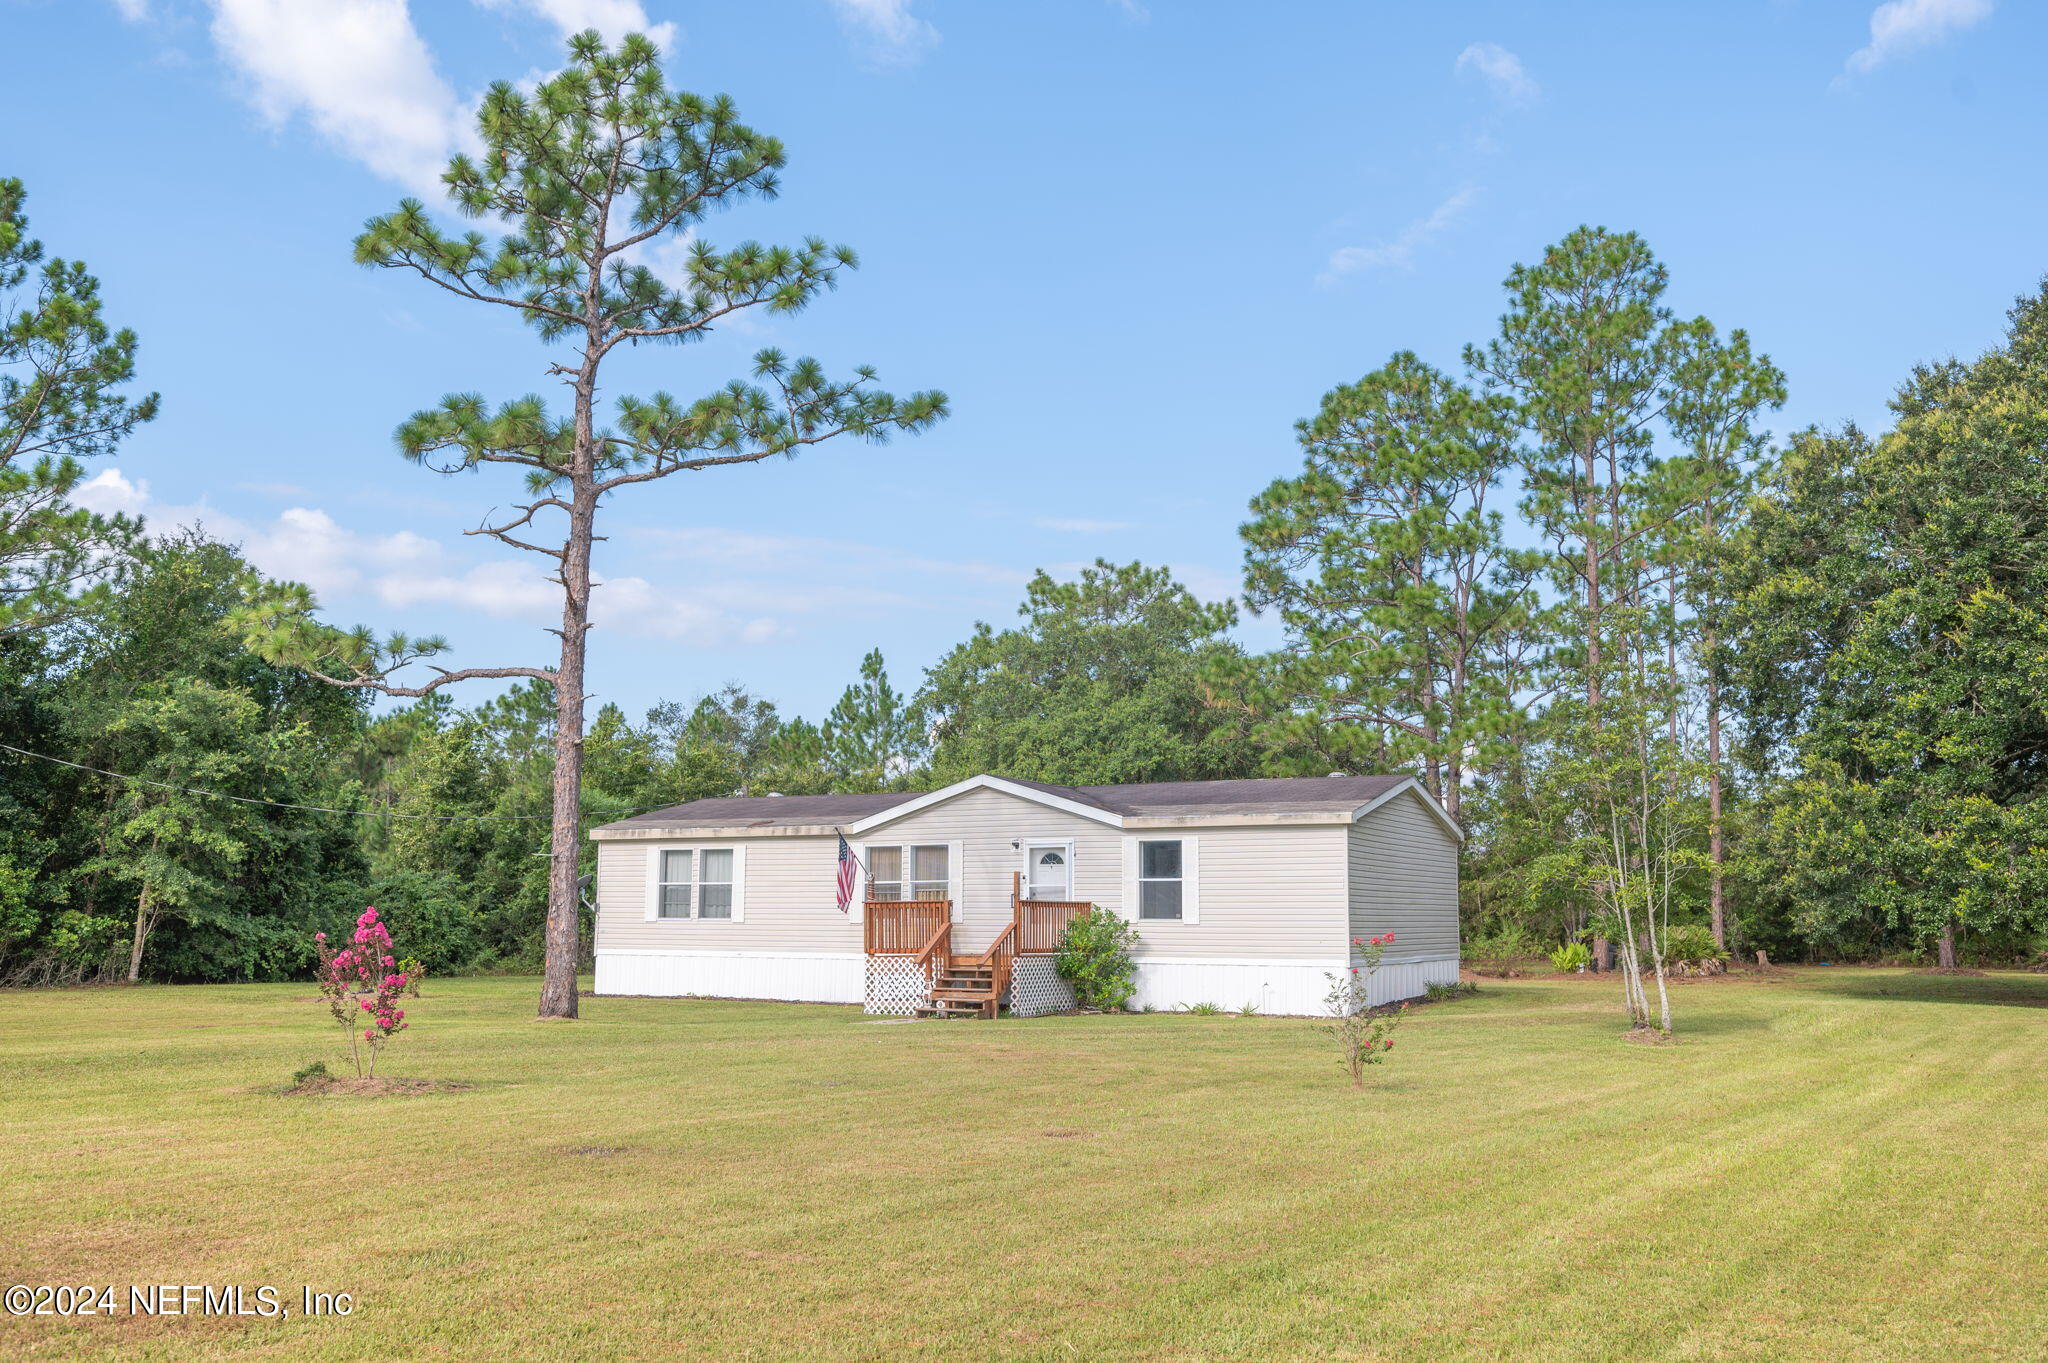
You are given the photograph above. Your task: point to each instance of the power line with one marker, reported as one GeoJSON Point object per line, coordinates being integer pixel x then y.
{"type": "Point", "coordinates": [285, 804]}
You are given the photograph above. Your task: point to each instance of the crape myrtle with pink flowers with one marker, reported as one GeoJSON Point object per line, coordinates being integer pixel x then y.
{"type": "Point", "coordinates": [362, 985]}
{"type": "Point", "coordinates": [1363, 1037]}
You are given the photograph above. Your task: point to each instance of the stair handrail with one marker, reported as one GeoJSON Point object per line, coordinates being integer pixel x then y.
{"type": "Point", "coordinates": [997, 960]}
{"type": "Point", "coordinates": [937, 948]}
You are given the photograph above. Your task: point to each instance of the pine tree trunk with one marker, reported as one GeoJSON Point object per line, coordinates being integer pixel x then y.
{"type": "Point", "coordinates": [558, 980]}
{"type": "Point", "coordinates": [564, 926]}
{"type": "Point", "coordinates": [1948, 945]}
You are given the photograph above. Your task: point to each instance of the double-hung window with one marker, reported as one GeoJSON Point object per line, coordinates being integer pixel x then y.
{"type": "Point", "coordinates": [696, 882]}
{"type": "Point", "coordinates": [1162, 880]}
{"type": "Point", "coordinates": [920, 871]}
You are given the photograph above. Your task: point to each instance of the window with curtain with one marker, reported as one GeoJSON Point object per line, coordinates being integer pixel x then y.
{"type": "Point", "coordinates": [885, 873]}
{"type": "Point", "coordinates": [676, 884]}
{"type": "Point", "coordinates": [929, 867]}
{"type": "Point", "coordinates": [1160, 880]}
{"type": "Point", "coordinates": [696, 883]}
{"type": "Point", "coordinates": [714, 883]}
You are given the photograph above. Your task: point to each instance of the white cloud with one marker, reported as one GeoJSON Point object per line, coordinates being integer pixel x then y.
{"type": "Point", "coordinates": [357, 71]}
{"type": "Point", "coordinates": [353, 571]}
{"type": "Point", "coordinates": [1502, 70]}
{"type": "Point", "coordinates": [1075, 526]}
{"type": "Point", "coordinates": [109, 492]}
{"type": "Point", "coordinates": [1400, 252]}
{"type": "Point", "coordinates": [889, 34]}
{"type": "Point", "coordinates": [613, 19]}
{"type": "Point", "coordinates": [134, 11]}
{"type": "Point", "coordinates": [1899, 26]}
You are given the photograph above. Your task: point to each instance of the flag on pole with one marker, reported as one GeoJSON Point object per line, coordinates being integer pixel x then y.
{"type": "Point", "coordinates": [847, 863]}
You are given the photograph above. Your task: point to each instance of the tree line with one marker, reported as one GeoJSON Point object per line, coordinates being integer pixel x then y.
{"type": "Point", "coordinates": [1666, 670]}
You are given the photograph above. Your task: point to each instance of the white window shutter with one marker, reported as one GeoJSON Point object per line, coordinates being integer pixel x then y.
{"type": "Point", "coordinates": [956, 878]}
{"type": "Point", "coordinates": [739, 884]}
{"type": "Point", "coordinates": [854, 912]}
{"type": "Point", "coordinates": [653, 896]}
{"type": "Point", "coordinates": [1190, 880]}
{"type": "Point", "coordinates": [1127, 907]}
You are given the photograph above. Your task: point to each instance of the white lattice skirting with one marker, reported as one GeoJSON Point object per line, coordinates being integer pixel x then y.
{"type": "Point", "coordinates": [895, 985]}
{"type": "Point", "coordinates": [1037, 989]}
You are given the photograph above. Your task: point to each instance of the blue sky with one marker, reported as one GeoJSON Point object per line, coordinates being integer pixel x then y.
{"type": "Point", "coordinates": [1134, 243]}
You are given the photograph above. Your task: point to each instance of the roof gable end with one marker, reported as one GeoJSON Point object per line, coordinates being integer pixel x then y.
{"type": "Point", "coordinates": [1053, 797]}
{"type": "Point", "coordinates": [1411, 786]}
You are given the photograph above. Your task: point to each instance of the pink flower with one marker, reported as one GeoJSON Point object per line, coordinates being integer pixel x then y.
{"type": "Point", "coordinates": [389, 961]}
{"type": "Point", "coordinates": [369, 1033]}
{"type": "Point", "coordinates": [367, 1007]}
{"type": "Point", "coordinates": [319, 936]}
{"type": "Point", "coordinates": [1390, 937]}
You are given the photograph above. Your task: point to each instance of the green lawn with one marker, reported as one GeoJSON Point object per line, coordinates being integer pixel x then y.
{"type": "Point", "coordinates": [1833, 1164]}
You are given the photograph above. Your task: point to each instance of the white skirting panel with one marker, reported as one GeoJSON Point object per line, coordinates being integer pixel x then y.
{"type": "Point", "coordinates": [1290, 988]}
{"type": "Point", "coordinates": [795, 976]}
{"type": "Point", "coordinates": [1037, 989]}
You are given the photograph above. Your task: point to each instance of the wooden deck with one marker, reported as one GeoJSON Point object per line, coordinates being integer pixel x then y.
{"type": "Point", "coordinates": [965, 985]}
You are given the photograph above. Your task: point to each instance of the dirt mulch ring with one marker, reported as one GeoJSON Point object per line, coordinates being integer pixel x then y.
{"type": "Point", "coordinates": [1949, 970]}
{"type": "Point", "coordinates": [373, 1088]}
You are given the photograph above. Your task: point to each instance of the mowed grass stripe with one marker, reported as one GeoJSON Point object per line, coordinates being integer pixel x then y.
{"type": "Point", "coordinates": [1830, 1163]}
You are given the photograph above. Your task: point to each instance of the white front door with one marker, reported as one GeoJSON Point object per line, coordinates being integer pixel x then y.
{"type": "Point", "coordinates": [1049, 872]}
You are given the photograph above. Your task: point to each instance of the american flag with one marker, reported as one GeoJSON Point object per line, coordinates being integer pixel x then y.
{"type": "Point", "coordinates": [847, 865]}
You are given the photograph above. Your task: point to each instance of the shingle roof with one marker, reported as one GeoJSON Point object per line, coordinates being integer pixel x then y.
{"type": "Point", "coordinates": [1161, 799]}
{"type": "Point", "coordinates": [1274, 795]}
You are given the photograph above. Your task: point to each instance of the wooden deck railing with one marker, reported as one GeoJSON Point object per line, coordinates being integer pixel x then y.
{"type": "Point", "coordinates": [999, 958]}
{"type": "Point", "coordinates": [936, 954]}
{"type": "Point", "coordinates": [902, 927]}
{"type": "Point", "coordinates": [1041, 922]}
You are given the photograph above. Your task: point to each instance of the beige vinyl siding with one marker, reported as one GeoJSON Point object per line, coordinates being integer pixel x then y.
{"type": "Point", "coordinates": [984, 823]}
{"type": "Point", "coordinates": [1267, 891]}
{"type": "Point", "coordinates": [1404, 877]}
{"type": "Point", "coordinates": [788, 900]}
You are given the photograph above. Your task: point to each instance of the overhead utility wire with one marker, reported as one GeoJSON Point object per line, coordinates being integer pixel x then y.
{"type": "Point", "coordinates": [285, 804]}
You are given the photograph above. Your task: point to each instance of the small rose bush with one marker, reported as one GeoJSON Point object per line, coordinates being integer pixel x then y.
{"type": "Point", "coordinates": [1363, 1037]}
{"type": "Point", "coordinates": [362, 984]}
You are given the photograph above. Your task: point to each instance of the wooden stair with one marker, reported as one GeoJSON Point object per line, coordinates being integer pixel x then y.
{"type": "Point", "coordinates": [965, 987]}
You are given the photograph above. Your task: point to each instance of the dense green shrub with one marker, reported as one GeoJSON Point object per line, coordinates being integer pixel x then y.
{"type": "Point", "coordinates": [1503, 950]}
{"type": "Point", "coordinates": [429, 913]}
{"type": "Point", "coordinates": [1571, 958]}
{"type": "Point", "coordinates": [1095, 957]}
{"type": "Point", "coordinates": [1691, 948]}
